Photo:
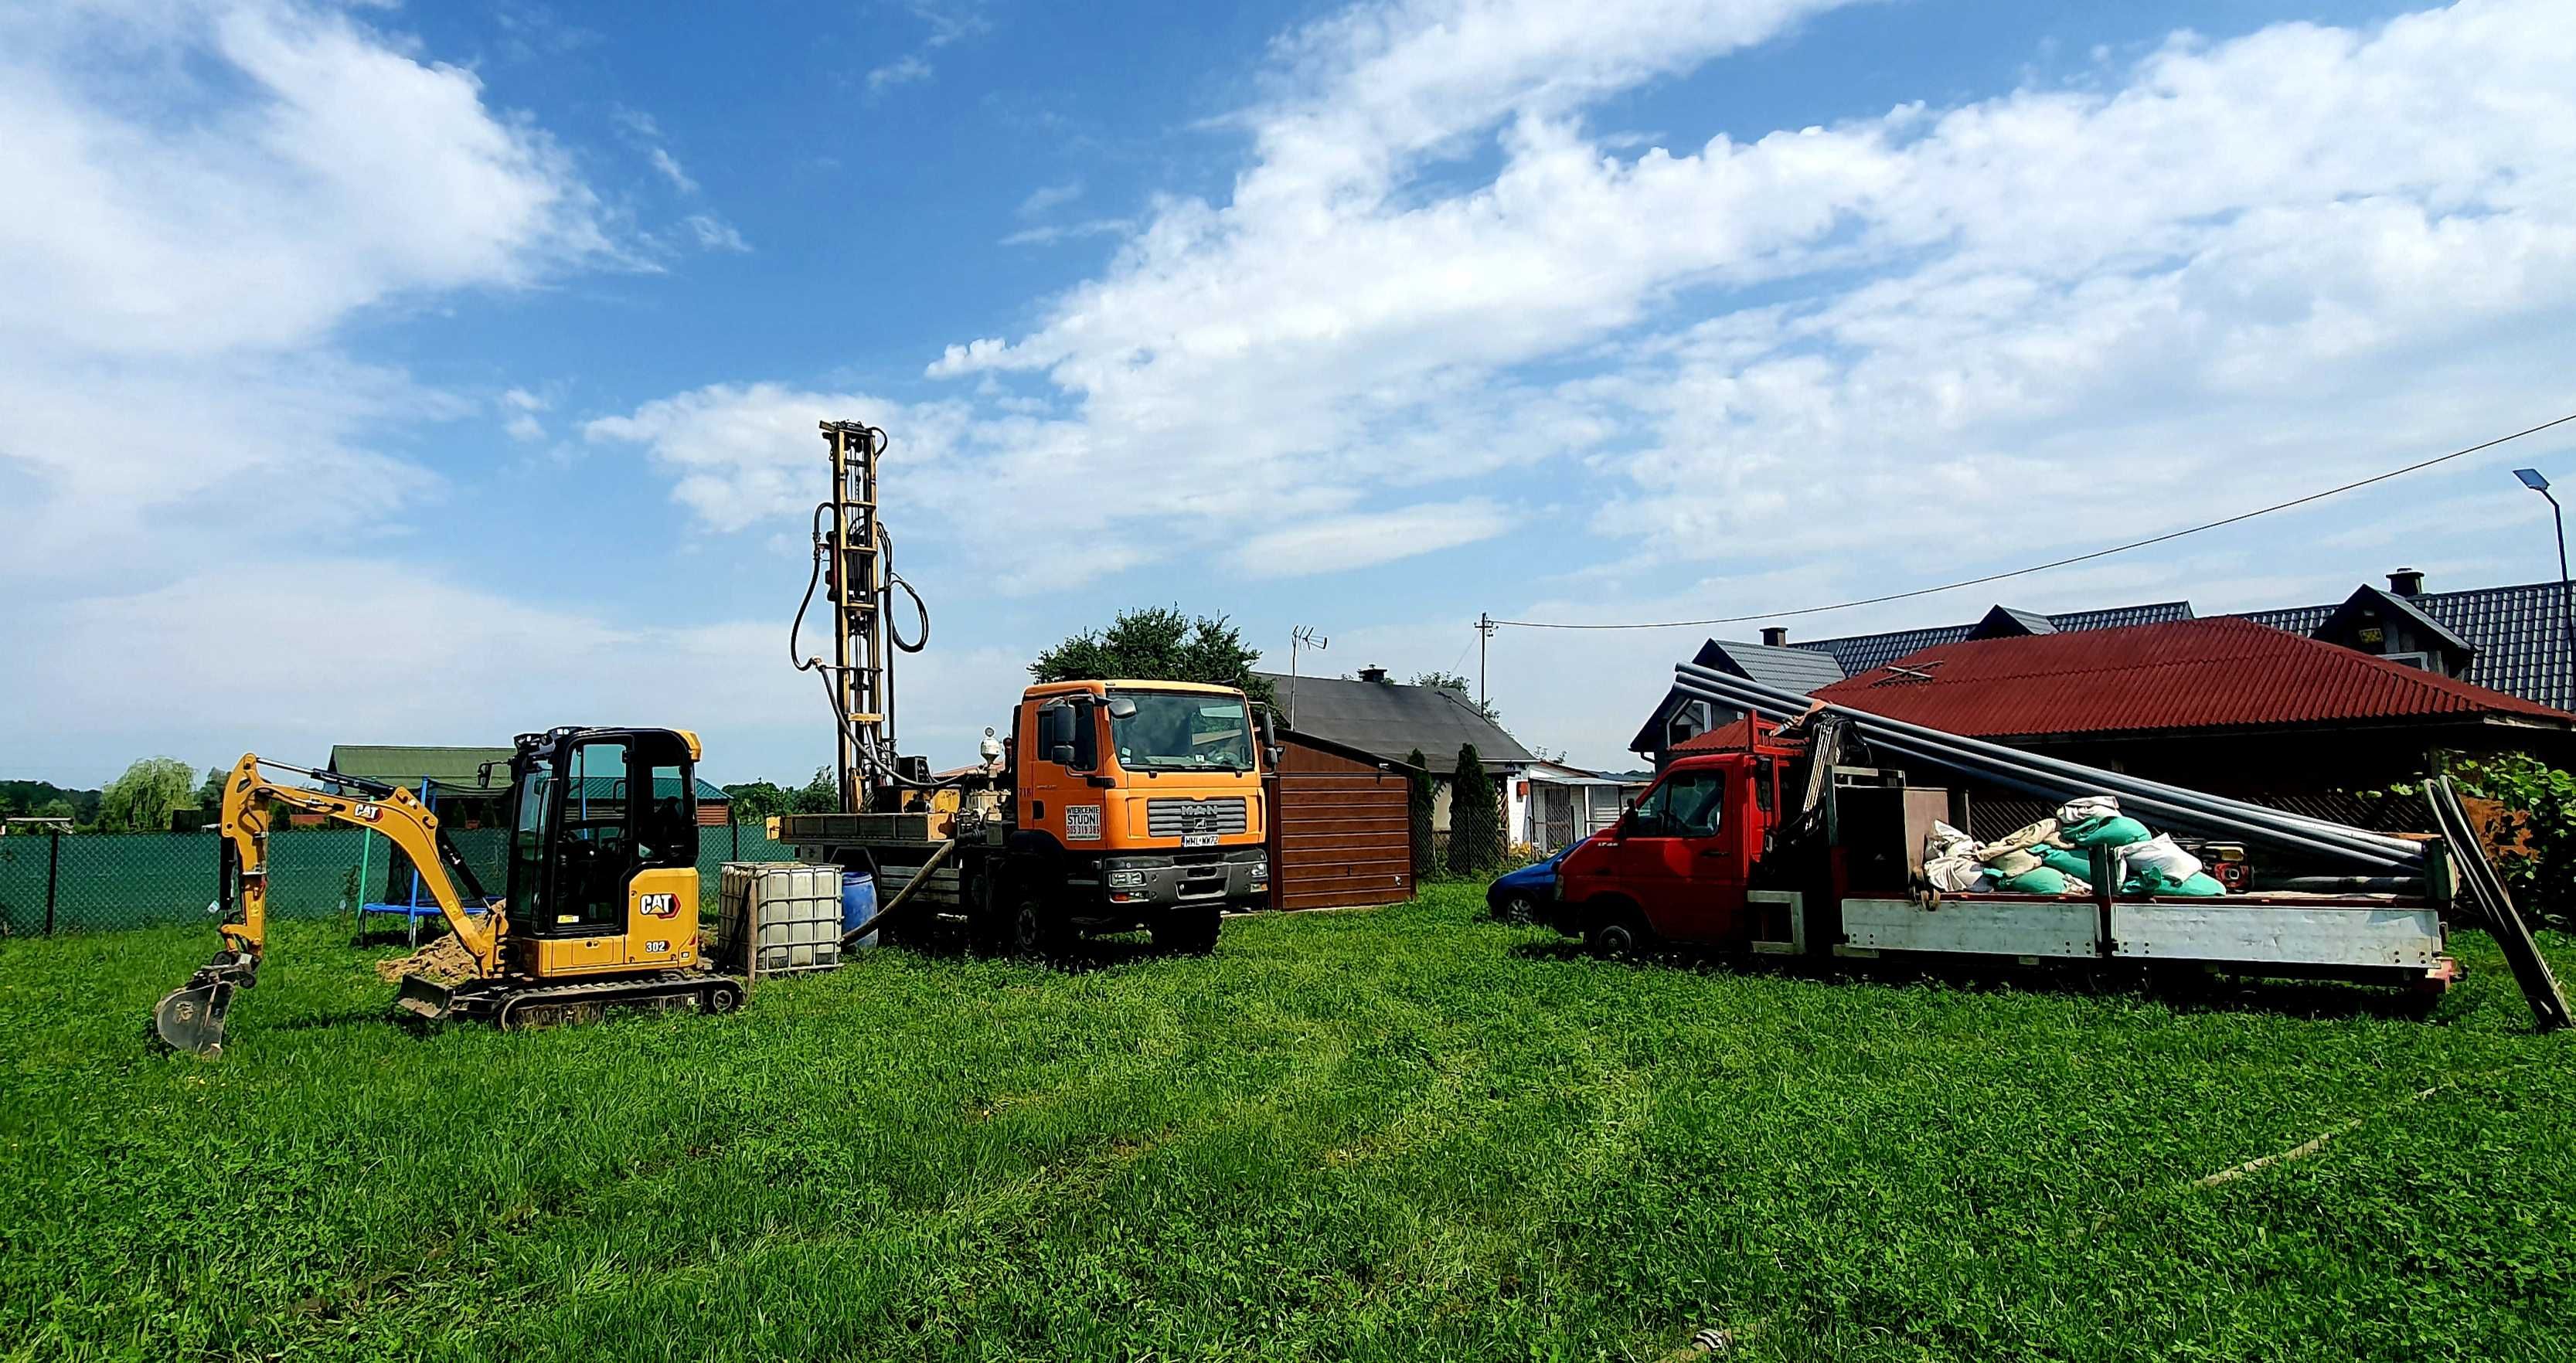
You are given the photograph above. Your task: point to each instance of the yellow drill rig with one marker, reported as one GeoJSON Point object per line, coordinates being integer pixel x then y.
{"type": "Point", "coordinates": [602, 902]}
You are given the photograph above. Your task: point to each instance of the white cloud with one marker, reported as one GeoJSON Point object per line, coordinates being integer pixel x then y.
{"type": "Point", "coordinates": [1052, 233]}
{"type": "Point", "coordinates": [713, 233]}
{"type": "Point", "coordinates": [520, 422]}
{"type": "Point", "coordinates": [669, 165]}
{"type": "Point", "coordinates": [290, 699]}
{"type": "Point", "coordinates": [1365, 539]}
{"type": "Point", "coordinates": [1049, 197]}
{"type": "Point", "coordinates": [185, 228]}
{"type": "Point", "coordinates": [904, 70]}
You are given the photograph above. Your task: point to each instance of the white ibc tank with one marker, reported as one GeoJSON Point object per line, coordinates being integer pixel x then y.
{"type": "Point", "coordinates": [798, 909]}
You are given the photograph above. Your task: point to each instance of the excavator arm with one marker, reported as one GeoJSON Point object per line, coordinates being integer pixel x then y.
{"type": "Point", "coordinates": [191, 1018]}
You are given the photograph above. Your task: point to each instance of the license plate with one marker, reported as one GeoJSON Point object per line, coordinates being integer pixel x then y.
{"type": "Point", "coordinates": [1198, 840]}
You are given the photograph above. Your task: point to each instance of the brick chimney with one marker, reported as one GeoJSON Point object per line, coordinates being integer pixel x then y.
{"type": "Point", "coordinates": [1373, 673]}
{"type": "Point", "coordinates": [1775, 636]}
{"type": "Point", "coordinates": [2406, 582]}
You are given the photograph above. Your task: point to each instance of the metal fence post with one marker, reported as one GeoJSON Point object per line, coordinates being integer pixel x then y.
{"type": "Point", "coordinates": [736, 825]}
{"type": "Point", "coordinates": [53, 874]}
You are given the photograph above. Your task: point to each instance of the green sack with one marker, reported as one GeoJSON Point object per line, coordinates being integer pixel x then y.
{"type": "Point", "coordinates": [2067, 863]}
{"type": "Point", "coordinates": [2200, 885]}
{"type": "Point", "coordinates": [2037, 880]}
{"type": "Point", "coordinates": [2116, 830]}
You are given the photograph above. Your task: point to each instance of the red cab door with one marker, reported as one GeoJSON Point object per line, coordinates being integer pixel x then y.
{"type": "Point", "coordinates": [1682, 859]}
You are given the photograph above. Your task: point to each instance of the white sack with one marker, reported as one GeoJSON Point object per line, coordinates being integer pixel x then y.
{"type": "Point", "coordinates": [2158, 854]}
{"type": "Point", "coordinates": [2084, 807]}
{"type": "Point", "coordinates": [1954, 874]}
{"type": "Point", "coordinates": [1945, 841]}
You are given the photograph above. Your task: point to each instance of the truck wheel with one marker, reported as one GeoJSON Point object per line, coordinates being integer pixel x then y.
{"type": "Point", "coordinates": [1618, 934]}
{"type": "Point", "coordinates": [1188, 932]}
{"type": "Point", "coordinates": [1033, 930]}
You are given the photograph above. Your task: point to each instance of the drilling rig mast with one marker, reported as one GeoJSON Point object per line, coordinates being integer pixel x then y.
{"type": "Point", "coordinates": [855, 547]}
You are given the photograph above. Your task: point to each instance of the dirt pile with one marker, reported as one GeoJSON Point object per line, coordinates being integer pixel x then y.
{"type": "Point", "coordinates": [445, 960]}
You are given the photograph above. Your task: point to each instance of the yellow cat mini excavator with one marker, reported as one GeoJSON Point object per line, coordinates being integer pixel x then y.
{"type": "Point", "coordinates": [602, 902]}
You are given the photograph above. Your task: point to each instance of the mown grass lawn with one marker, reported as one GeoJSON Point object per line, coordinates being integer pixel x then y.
{"type": "Point", "coordinates": [1400, 1134]}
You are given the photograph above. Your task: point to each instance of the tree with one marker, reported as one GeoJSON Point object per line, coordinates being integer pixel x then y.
{"type": "Point", "coordinates": [1418, 798]}
{"type": "Point", "coordinates": [143, 797]}
{"type": "Point", "coordinates": [1475, 821]}
{"type": "Point", "coordinates": [1451, 681]}
{"type": "Point", "coordinates": [755, 801]}
{"type": "Point", "coordinates": [822, 795]}
{"type": "Point", "coordinates": [1157, 643]}
{"type": "Point", "coordinates": [210, 792]}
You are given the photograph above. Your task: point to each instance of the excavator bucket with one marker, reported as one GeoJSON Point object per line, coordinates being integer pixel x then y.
{"type": "Point", "coordinates": [191, 1017]}
{"type": "Point", "coordinates": [425, 1000]}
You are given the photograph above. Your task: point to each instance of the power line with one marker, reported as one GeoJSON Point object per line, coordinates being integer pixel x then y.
{"type": "Point", "coordinates": [1488, 622]}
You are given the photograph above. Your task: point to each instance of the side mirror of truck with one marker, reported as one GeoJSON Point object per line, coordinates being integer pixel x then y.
{"type": "Point", "coordinates": [1122, 707]}
{"type": "Point", "coordinates": [1272, 754]}
{"type": "Point", "coordinates": [1061, 754]}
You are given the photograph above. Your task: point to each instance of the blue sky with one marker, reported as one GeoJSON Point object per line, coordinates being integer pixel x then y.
{"type": "Point", "coordinates": [430, 373]}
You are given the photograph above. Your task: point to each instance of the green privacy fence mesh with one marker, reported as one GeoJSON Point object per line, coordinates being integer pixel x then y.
{"type": "Point", "coordinates": [88, 882]}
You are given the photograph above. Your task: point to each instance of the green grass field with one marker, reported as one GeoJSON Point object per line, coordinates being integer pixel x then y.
{"type": "Point", "coordinates": [1398, 1134]}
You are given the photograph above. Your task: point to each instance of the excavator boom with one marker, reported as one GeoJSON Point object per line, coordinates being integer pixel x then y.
{"type": "Point", "coordinates": [191, 1017]}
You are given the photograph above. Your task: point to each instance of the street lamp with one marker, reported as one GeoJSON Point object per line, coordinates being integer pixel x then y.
{"type": "Point", "coordinates": [2566, 612]}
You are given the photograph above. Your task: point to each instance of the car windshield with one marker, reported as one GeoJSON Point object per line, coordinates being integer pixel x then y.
{"type": "Point", "coordinates": [1174, 731]}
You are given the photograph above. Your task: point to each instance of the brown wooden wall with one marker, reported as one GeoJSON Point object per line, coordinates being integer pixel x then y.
{"type": "Point", "coordinates": [1339, 831]}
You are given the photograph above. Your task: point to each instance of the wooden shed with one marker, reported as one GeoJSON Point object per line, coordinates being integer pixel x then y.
{"type": "Point", "coordinates": [1340, 834]}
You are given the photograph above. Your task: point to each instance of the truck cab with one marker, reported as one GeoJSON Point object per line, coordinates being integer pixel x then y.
{"type": "Point", "coordinates": [1147, 795]}
{"type": "Point", "coordinates": [1678, 863]}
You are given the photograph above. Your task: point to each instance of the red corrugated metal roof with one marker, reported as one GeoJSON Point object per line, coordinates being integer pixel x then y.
{"type": "Point", "coordinates": [2187, 674]}
{"type": "Point", "coordinates": [1723, 738]}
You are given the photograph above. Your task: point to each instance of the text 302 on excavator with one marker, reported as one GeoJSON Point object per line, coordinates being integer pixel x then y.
{"type": "Point", "coordinates": [602, 901]}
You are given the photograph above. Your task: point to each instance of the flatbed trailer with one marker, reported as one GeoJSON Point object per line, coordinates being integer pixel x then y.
{"type": "Point", "coordinates": [1710, 856]}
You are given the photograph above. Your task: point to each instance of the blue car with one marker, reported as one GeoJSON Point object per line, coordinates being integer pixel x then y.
{"type": "Point", "coordinates": [1523, 896]}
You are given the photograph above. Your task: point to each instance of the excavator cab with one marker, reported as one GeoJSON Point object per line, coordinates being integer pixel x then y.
{"type": "Point", "coordinates": [603, 874]}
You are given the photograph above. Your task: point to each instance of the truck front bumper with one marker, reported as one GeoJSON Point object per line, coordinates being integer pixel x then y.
{"type": "Point", "coordinates": [1142, 882]}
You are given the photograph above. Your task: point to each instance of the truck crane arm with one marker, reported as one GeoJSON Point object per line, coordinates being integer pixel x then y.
{"type": "Point", "coordinates": [191, 1017]}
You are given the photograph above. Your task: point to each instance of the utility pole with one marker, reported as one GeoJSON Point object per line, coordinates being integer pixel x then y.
{"type": "Point", "coordinates": [1485, 627]}
{"type": "Point", "coordinates": [1301, 636]}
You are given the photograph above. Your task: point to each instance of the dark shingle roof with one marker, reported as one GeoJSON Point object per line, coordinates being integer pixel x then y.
{"type": "Point", "coordinates": [2004, 622]}
{"type": "Point", "coordinates": [1391, 721]}
{"type": "Point", "coordinates": [1794, 669]}
{"type": "Point", "coordinates": [1859, 653]}
{"type": "Point", "coordinates": [2518, 632]}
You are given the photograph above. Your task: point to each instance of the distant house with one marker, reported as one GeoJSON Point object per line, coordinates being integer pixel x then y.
{"type": "Point", "coordinates": [2512, 639]}
{"type": "Point", "coordinates": [1569, 803]}
{"type": "Point", "coordinates": [1390, 720]}
{"type": "Point", "coordinates": [1772, 662]}
{"type": "Point", "coordinates": [2226, 705]}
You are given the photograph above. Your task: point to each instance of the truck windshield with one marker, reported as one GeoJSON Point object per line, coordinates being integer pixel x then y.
{"type": "Point", "coordinates": [1173, 731]}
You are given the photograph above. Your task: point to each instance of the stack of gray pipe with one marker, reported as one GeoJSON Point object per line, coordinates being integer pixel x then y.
{"type": "Point", "coordinates": [2050, 777]}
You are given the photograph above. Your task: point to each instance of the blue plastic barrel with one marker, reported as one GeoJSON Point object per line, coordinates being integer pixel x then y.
{"type": "Point", "coordinates": [858, 903]}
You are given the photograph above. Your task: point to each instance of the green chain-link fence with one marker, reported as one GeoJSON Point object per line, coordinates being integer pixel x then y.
{"type": "Point", "coordinates": [90, 882]}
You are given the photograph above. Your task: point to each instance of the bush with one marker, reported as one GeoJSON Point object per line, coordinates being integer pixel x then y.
{"type": "Point", "coordinates": [2537, 828]}
{"type": "Point", "coordinates": [1475, 819]}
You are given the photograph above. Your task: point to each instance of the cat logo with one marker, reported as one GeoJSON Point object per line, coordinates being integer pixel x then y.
{"type": "Point", "coordinates": [661, 906]}
{"type": "Point", "coordinates": [367, 813]}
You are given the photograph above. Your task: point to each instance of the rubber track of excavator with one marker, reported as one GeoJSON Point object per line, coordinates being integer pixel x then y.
{"type": "Point", "coordinates": [518, 1005]}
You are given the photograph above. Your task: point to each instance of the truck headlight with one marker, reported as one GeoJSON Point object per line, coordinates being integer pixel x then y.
{"type": "Point", "coordinates": [1261, 870]}
{"type": "Point", "coordinates": [1126, 880]}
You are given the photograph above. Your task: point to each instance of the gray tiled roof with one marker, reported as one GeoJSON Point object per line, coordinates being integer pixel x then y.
{"type": "Point", "coordinates": [2519, 635]}
{"type": "Point", "coordinates": [1391, 720]}
{"type": "Point", "coordinates": [1858, 653]}
{"type": "Point", "coordinates": [1791, 669]}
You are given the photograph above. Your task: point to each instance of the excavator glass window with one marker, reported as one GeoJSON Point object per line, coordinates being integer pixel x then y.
{"type": "Point", "coordinates": [532, 842]}
{"type": "Point", "coordinates": [597, 849]}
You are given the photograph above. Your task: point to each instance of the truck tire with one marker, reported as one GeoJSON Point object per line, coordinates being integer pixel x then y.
{"type": "Point", "coordinates": [1188, 931]}
{"type": "Point", "coordinates": [1617, 932]}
